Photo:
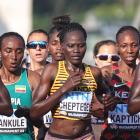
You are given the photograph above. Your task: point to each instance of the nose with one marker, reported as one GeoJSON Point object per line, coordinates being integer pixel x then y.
{"type": "Point", "coordinates": [109, 60]}
{"type": "Point", "coordinates": [58, 47]}
{"type": "Point", "coordinates": [76, 49]}
{"type": "Point", "coordinates": [13, 55]}
{"type": "Point", "coordinates": [129, 49]}
{"type": "Point", "coordinates": [37, 47]}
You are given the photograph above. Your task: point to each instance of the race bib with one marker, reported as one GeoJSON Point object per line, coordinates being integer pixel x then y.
{"type": "Point", "coordinates": [12, 124]}
{"type": "Point", "coordinates": [95, 120]}
{"type": "Point", "coordinates": [47, 119]}
{"type": "Point", "coordinates": [121, 119]}
{"type": "Point", "coordinates": [76, 104]}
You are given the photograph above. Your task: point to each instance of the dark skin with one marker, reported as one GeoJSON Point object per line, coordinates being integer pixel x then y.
{"type": "Point", "coordinates": [55, 48]}
{"type": "Point", "coordinates": [12, 51]}
{"type": "Point", "coordinates": [5, 101]}
{"type": "Point", "coordinates": [134, 100]}
{"type": "Point", "coordinates": [74, 48]}
{"type": "Point", "coordinates": [128, 47]}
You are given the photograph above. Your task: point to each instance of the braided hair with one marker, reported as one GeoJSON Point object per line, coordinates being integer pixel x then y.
{"type": "Point", "coordinates": [127, 28]}
{"type": "Point", "coordinates": [59, 23]}
{"type": "Point", "coordinates": [10, 34]}
{"type": "Point", "coordinates": [73, 26]}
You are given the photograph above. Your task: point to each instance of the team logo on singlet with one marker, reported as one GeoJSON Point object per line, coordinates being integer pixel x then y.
{"type": "Point", "coordinates": [119, 85]}
{"type": "Point", "coordinates": [20, 88]}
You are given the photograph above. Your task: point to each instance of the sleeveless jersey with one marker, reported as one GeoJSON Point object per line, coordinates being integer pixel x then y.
{"type": "Point", "coordinates": [74, 105]}
{"type": "Point", "coordinates": [119, 118]}
{"type": "Point", "coordinates": [12, 127]}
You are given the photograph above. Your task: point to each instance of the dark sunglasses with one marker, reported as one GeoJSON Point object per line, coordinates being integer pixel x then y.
{"type": "Point", "coordinates": [33, 44]}
{"type": "Point", "coordinates": [114, 57]}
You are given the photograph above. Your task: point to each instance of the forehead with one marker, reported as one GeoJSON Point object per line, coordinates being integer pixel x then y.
{"type": "Point", "coordinates": [54, 36]}
{"type": "Point", "coordinates": [74, 36]}
{"type": "Point", "coordinates": [127, 36]}
{"type": "Point", "coordinates": [37, 37]}
{"type": "Point", "coordinates": [12, 41]}
{"type": "Point", "coordinates": [108, 48]}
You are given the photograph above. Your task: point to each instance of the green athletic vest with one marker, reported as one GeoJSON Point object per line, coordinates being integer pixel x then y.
{"type": "Point", "coordinates": [12, 127]}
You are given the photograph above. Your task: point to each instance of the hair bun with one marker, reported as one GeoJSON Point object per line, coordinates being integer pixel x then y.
{"type": "Point", "coordinates": [61, 20]}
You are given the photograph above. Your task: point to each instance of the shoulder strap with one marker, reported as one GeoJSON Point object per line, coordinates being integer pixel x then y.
{"type": "Point", "coordinates": [116, 71]}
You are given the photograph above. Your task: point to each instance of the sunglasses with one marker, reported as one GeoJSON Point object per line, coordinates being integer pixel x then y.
{"type": "Point", "coordinates": [114, 57]}
{"type": "Point", "coordinates": [33, 44]}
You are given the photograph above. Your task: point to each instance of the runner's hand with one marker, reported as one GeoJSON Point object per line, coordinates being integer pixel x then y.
{"type": "Point", "coordinates": [97, 108]}
{"type": "Point", "coordinates": [73, 81]}
{"type": "Point", "coordinates": [109, 101]}
{"type": "Point", "coordinates": [21, 112]}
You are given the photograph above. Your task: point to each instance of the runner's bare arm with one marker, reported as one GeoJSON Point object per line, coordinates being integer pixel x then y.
{"type": "Point", "coordinates": [5, 101]}
{"type": "Point", "coordinates": [97, 106]}
{"type": "Point", "coordinates": [107, 74]}
{"type": "Point", "coordinates": [134, 99]}
{"type": "Point", "coordinates": [103, 100]}
{"type": "Point", "coordinates": [41, 105]}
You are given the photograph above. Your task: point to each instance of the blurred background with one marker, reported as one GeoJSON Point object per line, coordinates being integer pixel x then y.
{"type": "Point", "coordinates": [101, 18]}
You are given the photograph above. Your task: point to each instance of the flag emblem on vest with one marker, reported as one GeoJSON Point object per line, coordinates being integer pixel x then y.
{"type": "Point", "coordinates": [20, 88]}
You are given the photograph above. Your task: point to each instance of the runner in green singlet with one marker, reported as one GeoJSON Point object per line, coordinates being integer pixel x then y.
{"type": "Point", "coordinates": [20, 84]}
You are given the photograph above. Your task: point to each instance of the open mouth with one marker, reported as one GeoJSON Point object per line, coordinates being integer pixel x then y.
{"type": "Point", "coordinates": [38, 55]}
{"type": "Point", "coordinates": [130, 58]}
{"type": "Point", "coordinates": [59, 54]}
